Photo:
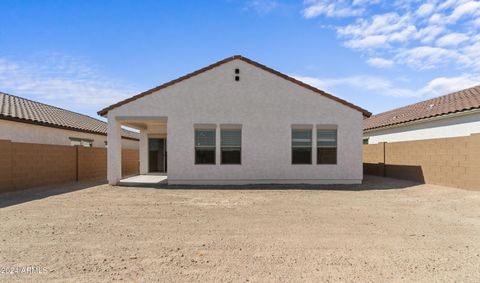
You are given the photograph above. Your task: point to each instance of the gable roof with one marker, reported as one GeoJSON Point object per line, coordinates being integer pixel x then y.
{"type": "Point", "coordinates": [23, 110]}
{"type": "Point", "coordinates": [104, 111]}
{"type": "Point", "coordinates": [463, 100]}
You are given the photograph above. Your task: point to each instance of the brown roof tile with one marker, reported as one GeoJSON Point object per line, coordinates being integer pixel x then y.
{"type": "Point", "coordinates": [459, 101]}
{"type": "Point", "coordinates": [23, 110]}
{"type": "Point", "coordinates": [104, 111]}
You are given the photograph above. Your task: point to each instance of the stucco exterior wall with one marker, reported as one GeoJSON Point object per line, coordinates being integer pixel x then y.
{"type": "Point", "coordinates": [29, 133]}
{"type": "Point", "coordinates": [266, 106]}
{"type": "Point", "coordinates": [448, 127]}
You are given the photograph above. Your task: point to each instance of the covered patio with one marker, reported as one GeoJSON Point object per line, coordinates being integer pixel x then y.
{"type": "Point", "coordinates": [152, 150]}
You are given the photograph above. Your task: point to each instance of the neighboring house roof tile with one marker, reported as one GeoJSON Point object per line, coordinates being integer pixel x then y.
{"type": "Point", "coordinates": [104, 111]}
{"type": "Point", "coordinates": [23, 110]}
{"type": "Point", "coordinates": [463, 100]}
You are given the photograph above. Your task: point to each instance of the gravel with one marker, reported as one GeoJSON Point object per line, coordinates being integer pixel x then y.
{"type": "Point", "coordinates": [383, 230]}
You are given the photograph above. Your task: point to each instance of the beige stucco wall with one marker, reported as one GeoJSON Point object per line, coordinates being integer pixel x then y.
{"type": "Point", "coordinates": [29, 133]}
{"type": "Point", "coordinates": [266, 106]}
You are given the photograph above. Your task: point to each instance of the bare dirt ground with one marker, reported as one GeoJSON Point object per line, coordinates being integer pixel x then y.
{"type": "Point", "coordinates": [384, 230]}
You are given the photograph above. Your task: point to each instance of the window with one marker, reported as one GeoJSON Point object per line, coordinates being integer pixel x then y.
{"type": "Point", "coordinates": [365, 140]}
{"type": "Point", "coordinates": [301, 146]}
{"type": "Point", "coordinates": [231, 144]}
{"type": "Point", "coordinates": [326, 146]}
{"type": "Point", "coordinates": [205, 146]}
{"type": "Point", "coordinates": [81, 142]}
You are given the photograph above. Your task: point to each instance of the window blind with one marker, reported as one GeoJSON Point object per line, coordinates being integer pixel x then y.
{"type": "Point", "coordinates": [205, 138]}
{"type": "Point", "coordinates": [231, 138]}
{"type": "Point", "coordinates": [327, 138]}
{"type": "Point", "coordinates": [301, 138]}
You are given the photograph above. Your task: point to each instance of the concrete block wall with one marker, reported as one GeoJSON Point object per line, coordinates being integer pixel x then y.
{"type": "Point", "coordinates": [450, 162]}
{"type": "Point", "coordinates": [374, 159]}
{"type": "Point", "coordinates": [92, 163]}
{"type": "Point", "coordinates": [473, 161]}
{"type": "Point", "coordinates": [27, 165]}
{"type": "Point", "coordinates": [5, 164]}
{"type": "Point", "coordinates": [130, 162]}
{"type": "Point", "coordinates": [35, 165]}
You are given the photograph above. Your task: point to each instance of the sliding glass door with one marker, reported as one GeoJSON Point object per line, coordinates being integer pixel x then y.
{"type": "Point", "coordinates": [157, 155]}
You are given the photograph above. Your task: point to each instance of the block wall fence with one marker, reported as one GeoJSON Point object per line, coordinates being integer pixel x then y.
{"type": "Point", "coordinates": [27, 165]}
{"type": "Point", "coordinates": [453, 162]}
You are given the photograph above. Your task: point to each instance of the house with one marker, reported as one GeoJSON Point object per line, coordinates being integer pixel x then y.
{"type": "Point", "coordinates": [240, 122]}
{"type": "Point", "coordinates": [453, 115]}
{"type": "Point", "coordinates": [27, 121]}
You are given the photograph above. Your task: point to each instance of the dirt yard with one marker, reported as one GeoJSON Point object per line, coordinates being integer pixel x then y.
{"type": "Point", "coordinates": [384, 230]}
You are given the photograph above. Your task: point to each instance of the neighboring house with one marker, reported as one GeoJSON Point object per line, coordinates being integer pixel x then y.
{"type": "Point", "coordinates": [452, 115]}
{"type": "Point", "coordinates": [240, 122]}
{"type": "Point", "coordinates": [27, 121]}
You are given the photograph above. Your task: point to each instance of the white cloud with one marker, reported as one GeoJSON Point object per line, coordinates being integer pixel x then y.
{"type": "Point", "coordinates": [452, 39]}
{"type": "Point", "coordinates": [435, 87]}
{"type": "Point", "coordinates": [379, 32]}
{"type": "Point", "coordinates": [365, 2]}
{"type": "Point", "coordinates": [476, 22]}
{"type": "Point", "coordinates": [445, 85]}
{"type": "Point", "coordinates": [425, 10]}
{"type": "Point", "coordinates": [380, 62]}
{"type": "Point", "coordinates": [62, 80]}
{"type": "Point", "coordinates": [262, 7]}
{"type": "Point", "coordinates": [379, 24]}
{"type": "Point", "coordinates": [429, 33]}
{"type": "Point", "coordinates": [426, 57]}
{"type": "Point", "coordinates": [465, 9]}
{"type": "Point", "coordinates": [329, 8]}
{"type": "Point", "coordinates": [421, 34]}
{"type": "Point", "coordinates": [372, 41]}
{"type": "Point", "coordinates": [369, 83]}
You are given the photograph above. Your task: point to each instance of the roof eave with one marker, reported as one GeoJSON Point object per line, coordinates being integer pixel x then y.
{"type": "Point", "coordinates": [425, 119]}
{"type": "Point", "coordinates": [39, 123]}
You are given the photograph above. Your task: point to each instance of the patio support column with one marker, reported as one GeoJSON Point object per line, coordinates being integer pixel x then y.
{"type": "Point", "coordinates": [114, 150]}
{"type": "Point", "coordinates": [143, 147]}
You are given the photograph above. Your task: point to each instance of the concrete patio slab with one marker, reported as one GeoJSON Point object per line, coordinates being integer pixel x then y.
{"type": "Point", "coordinates": [151, 179]}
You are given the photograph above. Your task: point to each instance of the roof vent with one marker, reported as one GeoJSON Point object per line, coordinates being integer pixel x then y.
{"type": "Point", "coordinates": [237, 72]}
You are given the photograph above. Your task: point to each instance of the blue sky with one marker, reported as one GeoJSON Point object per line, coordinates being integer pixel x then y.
{"type": "Point", "coordinates": [85, 55]}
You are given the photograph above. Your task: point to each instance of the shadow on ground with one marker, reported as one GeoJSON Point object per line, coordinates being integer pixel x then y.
{"type": "Point", "coordinates": [370, 182]}
{"type": "Point", "coordinates": [13, 198]}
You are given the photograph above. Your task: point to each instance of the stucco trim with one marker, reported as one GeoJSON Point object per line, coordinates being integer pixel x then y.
{"type": "Point", "coordinates": [204, 126]}
{"type": "Point", "coordinates": [302, 126]}
{"type": "Point", "coordinates": [104, 111]}
{"type": "Point", "coordinates": [230, 126]}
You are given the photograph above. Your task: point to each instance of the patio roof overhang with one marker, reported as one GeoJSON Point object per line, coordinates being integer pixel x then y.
{"type": "Point", "coordinates": [142, 122]}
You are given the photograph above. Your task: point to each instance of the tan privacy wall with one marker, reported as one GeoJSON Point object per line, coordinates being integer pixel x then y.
{"type": "Point", "coordinates": [451, 162]}
{"type": "Point", "coordinates": [130, 162]}
{"type": "Point", "coordinates": [92, 163]}
{"type": "Point", "coordinates": [26, 165]}
{"type": "Point", "coordinates": [40, 165]}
